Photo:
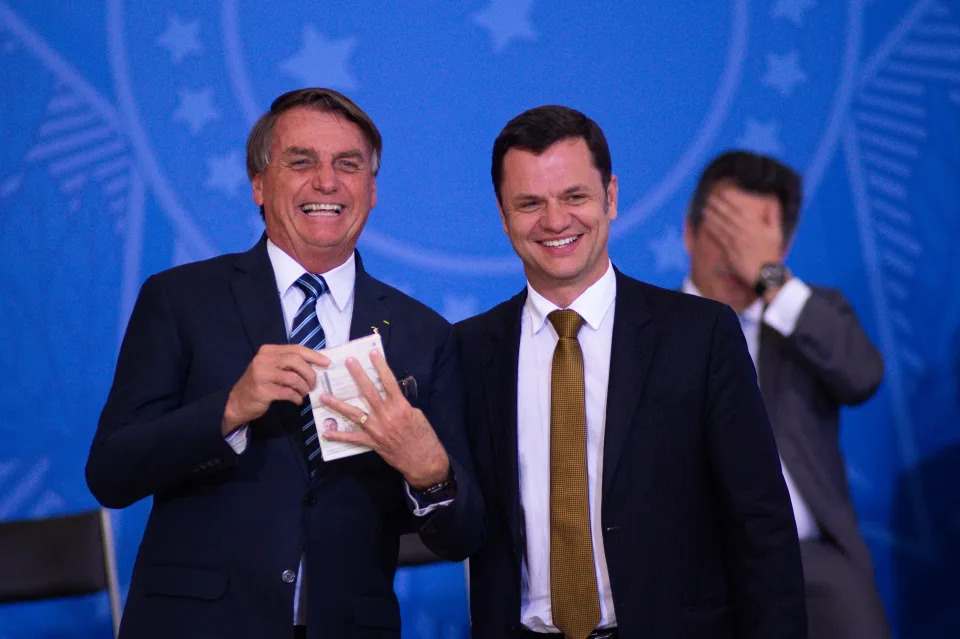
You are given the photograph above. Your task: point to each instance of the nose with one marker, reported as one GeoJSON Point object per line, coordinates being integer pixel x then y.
{"type": "Point", "coordinates": [325, 178]}
{"type": "Point", "coordinates": [554, 218]}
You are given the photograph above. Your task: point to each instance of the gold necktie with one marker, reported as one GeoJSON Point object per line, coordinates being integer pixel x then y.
{"type": "Point", "coordinates": [573, 582]}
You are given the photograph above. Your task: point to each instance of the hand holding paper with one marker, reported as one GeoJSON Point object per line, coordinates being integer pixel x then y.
{"type": "Point", "coordinates": [277, 372]}
{"type": "Point", "coordinates": [393, 428]}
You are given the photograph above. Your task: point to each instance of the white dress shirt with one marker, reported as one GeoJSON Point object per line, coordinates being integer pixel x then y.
{"type": "Point", "coordinates": [538, 339]}
{"type": "Point", "coordinates": [335, 312]}
{"type": "Point", "coordinates": [781, 315]}
{"type": "Point", "coordinates": [334, 308]}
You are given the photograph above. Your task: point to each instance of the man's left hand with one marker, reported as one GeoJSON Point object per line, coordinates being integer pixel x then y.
{"type": "Point", "coordinates": [397, 431]}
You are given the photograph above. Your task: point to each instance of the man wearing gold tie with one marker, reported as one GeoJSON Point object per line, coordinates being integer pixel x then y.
{"type": "Point", "coordinates": [632, 481]}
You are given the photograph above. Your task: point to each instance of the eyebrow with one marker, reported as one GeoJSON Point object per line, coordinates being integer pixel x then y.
{"type": "Point", "coordinates": [525, 197]}
{"type": "Point", "coordinates": [298, 150]}
{"type": "Point", "coordinates": [576, 188]}
{"type": "Point", "coordinates": [352, 153]}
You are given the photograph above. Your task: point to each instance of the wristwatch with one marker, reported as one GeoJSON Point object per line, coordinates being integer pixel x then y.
{"type": "Point", "coordinates": [772, 275]}
{"type": "Point", "coordinates": [441, 491]}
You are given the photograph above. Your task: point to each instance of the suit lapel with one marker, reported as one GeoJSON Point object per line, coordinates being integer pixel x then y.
{"type": "Point", "coordinates": [768, 363]}
{"type": "Point", "coordinates": [500, 380]}
{"type": "Point", "coordinates": [370, 314]}
{"type": "Point", "coordinates": [254, 288]}
{"type": "Point", "coordinates": [258, 304]}
{"type": "Point", "coordinates": [630, 356]}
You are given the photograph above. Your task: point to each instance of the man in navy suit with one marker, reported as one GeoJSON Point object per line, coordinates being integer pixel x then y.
{"type": "Point", "coordinates": [679, 508]}
{"type": "Point", "coordinates": [251, 533]}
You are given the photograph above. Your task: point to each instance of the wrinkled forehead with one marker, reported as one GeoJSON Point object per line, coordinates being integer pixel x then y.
{"type": "Point", "coordinates": [319, 130]}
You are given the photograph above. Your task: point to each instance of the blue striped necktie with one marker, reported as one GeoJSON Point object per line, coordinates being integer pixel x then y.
{"type": "Point", "coordinates": [307, 332]}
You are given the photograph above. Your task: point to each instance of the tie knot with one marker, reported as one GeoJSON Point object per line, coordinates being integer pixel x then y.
{"type": "Point", "coordinates": [313, 286]}
{"type": "Point", "coordinates": [566, 322]}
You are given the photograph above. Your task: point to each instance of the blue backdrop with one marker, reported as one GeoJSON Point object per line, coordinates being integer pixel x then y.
{"type": "Point", "coordinates": [123, 128]}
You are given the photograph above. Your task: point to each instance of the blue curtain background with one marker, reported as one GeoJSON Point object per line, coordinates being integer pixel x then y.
{"type": "Point", "coordinates": [123, 126]}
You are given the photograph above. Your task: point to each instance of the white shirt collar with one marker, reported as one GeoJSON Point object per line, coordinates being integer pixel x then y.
{"type": "Point", "coordinates": [752, 313]}
{"type": "Point", "coordinates": [340, 279]}
{"type": "Point", "coordinates": [592, 305]}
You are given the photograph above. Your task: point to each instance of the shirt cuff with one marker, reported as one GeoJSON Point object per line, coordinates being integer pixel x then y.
{"type": "Point", "coordinates": [237, 440]}
{"type": "Point", "coordinates": [784, 311]}
{"type": "Point", "coordinates": [422, 507]}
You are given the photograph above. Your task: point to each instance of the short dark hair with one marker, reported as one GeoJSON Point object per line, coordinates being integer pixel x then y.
{"type": "Point", "coordinates": [538, 129]}
{"type": "Point", "coordinates": [325, 100]}
{"type": "Point", "coordinates": [754, 173]}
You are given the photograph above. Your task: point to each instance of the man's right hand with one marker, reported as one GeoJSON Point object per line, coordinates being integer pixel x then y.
{"type": "Point", "coordinates": [277, 372]}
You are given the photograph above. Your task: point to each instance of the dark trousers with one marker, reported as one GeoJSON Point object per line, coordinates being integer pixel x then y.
{"type": "Point", "coordinates": [842, 601]}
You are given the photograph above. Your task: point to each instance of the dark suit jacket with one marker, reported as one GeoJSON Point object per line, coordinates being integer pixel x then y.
{"type": "Point", "coordinates": [225, 529]}
{"type": "Point", "coordinates": [697, 525]}
{"type": "Point", "coordinates": [827, 362]}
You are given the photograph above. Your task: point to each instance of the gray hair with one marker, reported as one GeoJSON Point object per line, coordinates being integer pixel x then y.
{"type": "Point", "coordinates": [325, 100]}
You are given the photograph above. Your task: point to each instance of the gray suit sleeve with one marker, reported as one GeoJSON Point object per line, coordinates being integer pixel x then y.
{"type": "Point", "coordinates": [830, 341]}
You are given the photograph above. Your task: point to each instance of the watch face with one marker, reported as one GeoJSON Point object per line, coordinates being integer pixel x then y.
{"type": "Point", "coordinates": [773, 275]}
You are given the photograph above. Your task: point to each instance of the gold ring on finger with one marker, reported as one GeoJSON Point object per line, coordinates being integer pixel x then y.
{"type": "Point", "coordinates": [362, 420]}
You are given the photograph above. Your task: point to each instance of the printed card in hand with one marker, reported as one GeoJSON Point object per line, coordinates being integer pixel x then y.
{"type": "Point", "coordinates": [337, 381]}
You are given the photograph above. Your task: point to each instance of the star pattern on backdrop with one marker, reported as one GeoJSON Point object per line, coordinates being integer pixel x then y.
{"type": "Point", "coordinates": [669, 253]}
{"type": "Point", "coordinates": [321, 61]}
{"type": "Point", "coordinates": [762, 137]}
{"type": "Point", "coordinates": [196, 109]}
{"type": "Point", "coordinates": [793, 10]}
{"type": "Point", "coordinates": [506, 21]}
{"type": "Point", "coordinates": [226, 172]}
{"type": "Point", "coordinates": [181, 39]}
{"type": "Point", "coordinates": [784, 72]}
{"type": "Point", "coordinates": [10, 185]}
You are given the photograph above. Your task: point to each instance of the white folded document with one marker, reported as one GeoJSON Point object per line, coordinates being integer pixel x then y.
{"type": "Point", "coordinates": [336, 380]}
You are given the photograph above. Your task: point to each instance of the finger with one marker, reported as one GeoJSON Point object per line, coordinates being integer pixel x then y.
{"type": "Point", "coordinates": [295, 363]}
{"type": "Point", "coordinates": [364, 383]}
{"type": "Point", "coordinates": [715, 229]}
{"type": "Point", "coordinates": [311, 356]}
{"type": "Point", "coordinates": [723, 213]}
{"type": "Point", "coordinates": [263, 381]}
{"type": "Point", "coordinates": [278, 392]}
{"type": "Point", "coordinates": [360, 438]}
{"type": "Point", "coordinates": [291, 380]}
{"type": "Point", "coordinates": [351, 412]}
{"type": "Point", "coordinates": [722, 206]}
{"type": "Point", "coordinates": [387, 378]}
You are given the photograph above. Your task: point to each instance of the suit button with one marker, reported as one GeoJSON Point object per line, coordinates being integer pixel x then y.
{"type": "Point", "coordinates": [288, 576]}
{"type": "Point", "coordinates": [309, 500]}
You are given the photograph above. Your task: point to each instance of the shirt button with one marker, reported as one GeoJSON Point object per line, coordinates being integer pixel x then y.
{"type": "Point", "coordinates": [309, 500]}
{"type": "Point", "coordinates": [288, 576]}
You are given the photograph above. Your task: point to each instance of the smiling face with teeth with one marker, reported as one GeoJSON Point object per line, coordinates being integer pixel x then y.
{"type": "Point", "coordinates": [318, 188]}
{"type": "Point", "coordinates": [557, 215]}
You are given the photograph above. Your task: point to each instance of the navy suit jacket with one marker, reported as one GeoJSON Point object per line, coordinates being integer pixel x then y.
{"type": "Point", "coordinates": [698, 529]}
{"type": "Point", "coordinates": [226, 531]}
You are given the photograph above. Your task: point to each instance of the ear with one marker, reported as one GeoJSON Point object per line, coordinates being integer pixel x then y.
{"type": "Point", "coordinates": [689, 235]}
{"type": "Point", "coordinates": [503, 218]}
{"type": "Point", "coordinates": [613, 191]}
{"type": "Point", "coordinates": [373, 193]}
{"type": "Point", "coordinates": [257, 184]}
